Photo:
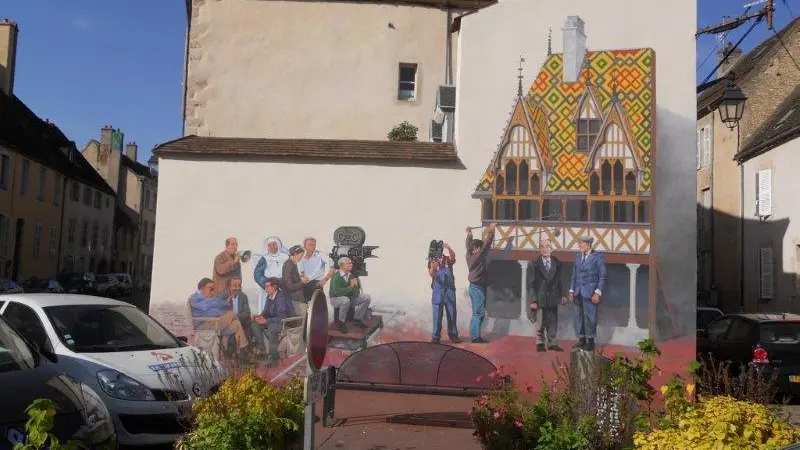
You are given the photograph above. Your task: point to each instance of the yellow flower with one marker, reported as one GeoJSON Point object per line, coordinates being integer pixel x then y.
{"type": "Point", "coordinates": [664, 389]}
{"type": "Point", "coordinates": [690, 388]}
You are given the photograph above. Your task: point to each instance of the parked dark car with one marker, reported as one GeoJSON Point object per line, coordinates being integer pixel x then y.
{"type": "Point", "coordinates": [27, 375]}
{"type": "Point", "coordinates": [78, 283]}
{"type": "Point", "coordinates": [37, 285]}
{"type": "Point", "coordinates": [706, 315]}
{"type": "Point", "coordinates": [767, 342]}
{"type": "Point", "coordinates": [10, 287]}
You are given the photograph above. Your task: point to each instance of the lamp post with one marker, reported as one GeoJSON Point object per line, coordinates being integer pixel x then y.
{"type": "Point", "coordinates": [731, 110]}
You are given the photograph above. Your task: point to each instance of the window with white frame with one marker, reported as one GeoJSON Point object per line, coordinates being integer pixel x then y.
{"type": "Point", "coordinates": [57, 190]}
{"type": "Point", "coordinates": [37, 240]}
{"type": "Point", "coordinates": [407, 81]}
{"type": "Point", "coordinates": [5, 170]}
{"type": "Point", "coordinates": [764, 193]}
{"type": "Point", "coordinates": [4, 236]}
{"type": "Point", "coordinates": [24, 177]}
{"type": "Point", "coordinates": [42, 184]}
{"type": "Point", "coordinates": [71, 231]}
{"type": "Point", "coordinates": [766, 274]}
{"type": "Point", "coordinates": [705, 217]}
{"type": "Point", "coordinates": [704, 146]}
{"type": "Point", "coordinates": [51, 254]}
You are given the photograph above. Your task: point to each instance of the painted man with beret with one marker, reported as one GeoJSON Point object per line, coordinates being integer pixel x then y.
{"type": "Point", "coordinates": [585, 290]}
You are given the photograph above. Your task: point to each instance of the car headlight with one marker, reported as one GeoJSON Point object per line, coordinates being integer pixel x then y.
{"type": "Point", "coordinates": [99, 426]}
{"type": "Point", "coordinates": [123, 387]}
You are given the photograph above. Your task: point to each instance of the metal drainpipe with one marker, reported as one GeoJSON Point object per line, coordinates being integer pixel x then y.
{"type": "Point", "coordinates": [741, 225]}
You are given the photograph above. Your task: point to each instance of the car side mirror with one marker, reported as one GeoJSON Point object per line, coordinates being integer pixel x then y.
{"type": "Point", "coordinates": [183, 339]}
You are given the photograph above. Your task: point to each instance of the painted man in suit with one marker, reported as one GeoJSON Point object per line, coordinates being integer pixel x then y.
{"type": "Point", "coordinates": [585, 290]}
{"type": "Point", "coordinates": [242, 307]}
{"type": "Point", "coordinates": [277, 308]}
{"type": "Point", "coordinates": [546, 293]}
{"type": "Point", "coordinates": [227, 265]}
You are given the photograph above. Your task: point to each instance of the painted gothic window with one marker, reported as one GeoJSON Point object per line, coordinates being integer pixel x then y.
{"type": "Point", "coordinates": [588, 125]}
{"type": "Point", "coordinates": [517, 182]}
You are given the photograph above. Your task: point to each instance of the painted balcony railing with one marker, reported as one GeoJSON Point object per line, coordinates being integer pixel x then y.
{"type": "Point", "coordinates": [616, 238]}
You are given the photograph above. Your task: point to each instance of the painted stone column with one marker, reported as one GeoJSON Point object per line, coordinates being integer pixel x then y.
{"type": "Point", "coordinates": [524, 291]}
{"type": "Point", "coordinates": [633, 269]}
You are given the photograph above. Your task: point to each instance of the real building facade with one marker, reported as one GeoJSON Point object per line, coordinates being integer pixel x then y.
{"type": "Point", "coordinates": [383, 63]}
{"type": "Point", "coordinates": [313, 175]}
{"type": "Point", "coordinates": [766, 75]}
{"type": "Point", "coordinates": [135, 186]}
{"type": "Point", "coordinates": [39, 169]}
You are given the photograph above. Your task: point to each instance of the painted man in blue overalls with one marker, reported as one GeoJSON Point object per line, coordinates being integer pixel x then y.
{"type": "Point", "coordinates": [443, 284]}
{"type": "Point", "coordinates": [585, 289]}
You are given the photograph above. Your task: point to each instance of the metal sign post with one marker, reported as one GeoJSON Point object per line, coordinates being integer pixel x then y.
{"type": "Point", "coordinates": [317, 382]}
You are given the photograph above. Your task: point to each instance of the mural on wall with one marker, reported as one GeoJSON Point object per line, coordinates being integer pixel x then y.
{"type": "Point", "coordinates": [574, 172]}
{"type": "Point", "coordinates": [562, 257]}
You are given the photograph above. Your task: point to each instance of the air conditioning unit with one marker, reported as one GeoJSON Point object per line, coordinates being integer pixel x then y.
{"type": "Point", "coordinates": [435, 132]}
{"type": "Point", "coordinates": [446, 98]}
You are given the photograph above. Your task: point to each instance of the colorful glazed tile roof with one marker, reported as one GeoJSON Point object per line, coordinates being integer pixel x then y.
{"type": "Point", "coordinates": [629, 73]}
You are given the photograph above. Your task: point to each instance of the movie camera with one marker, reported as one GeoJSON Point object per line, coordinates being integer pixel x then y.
{"type": "Point", "coordinates": [435, 250]}
{"type": "Point", "coordinates": [349, 242]}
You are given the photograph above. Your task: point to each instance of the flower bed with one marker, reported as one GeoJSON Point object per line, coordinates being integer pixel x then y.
{"type": "Point", "coordinates": [613, 409]}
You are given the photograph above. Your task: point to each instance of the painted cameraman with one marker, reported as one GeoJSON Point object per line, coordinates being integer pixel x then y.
{"type": "Point", "coordinates": [477, 253]}
{"type": "Point", "coordinates": [443, 284]}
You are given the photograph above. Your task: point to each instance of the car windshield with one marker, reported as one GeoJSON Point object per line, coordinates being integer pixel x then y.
{"type": "Point", "coordinates": [108, 328]}
{"type": "Point", "coordinates": [780, 332]}
{"type": "Point", "coordinates": [14, 353]}
{"type": "Point", "coordinates": [705, 316]}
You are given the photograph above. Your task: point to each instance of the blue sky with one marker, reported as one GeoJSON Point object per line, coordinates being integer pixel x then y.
{"type": "Point", "coordinates": [84, 64]}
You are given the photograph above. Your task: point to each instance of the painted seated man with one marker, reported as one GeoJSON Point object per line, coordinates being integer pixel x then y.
{"type": "Point", "coordinates": [315, 268]}
{"type": "Point", "coordinates": [277, 308]}
{"type": "Point", "coordinates": [345, 293]}
{"type": "Point", "coordinates": [242, 306]}
{"type": "Point", "coordinates": [205, 304]}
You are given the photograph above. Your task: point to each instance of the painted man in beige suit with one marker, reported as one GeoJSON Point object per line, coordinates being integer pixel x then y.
{"type": "Point", "coordinates": [227, 265]}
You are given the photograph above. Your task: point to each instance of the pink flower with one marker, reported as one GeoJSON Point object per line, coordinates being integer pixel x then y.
{"type": "Point", "coordinates": [518, 424]}
{"type": "Point", "coordinates": [497, 414]}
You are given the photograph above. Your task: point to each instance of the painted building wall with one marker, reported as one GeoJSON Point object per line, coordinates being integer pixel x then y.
{"type": "Point", "coordinates": [279, 69]}
{"type": "Point", "coordinates": [91, 252]}
{"type": "Point", "coordinates": [402, 208]}
{"type": "Point", "coordinates": [779, 231]}
{"type": "Point", "coordinates": [488, 63]}
{"type": "Point", "coordinates": [38, 206]}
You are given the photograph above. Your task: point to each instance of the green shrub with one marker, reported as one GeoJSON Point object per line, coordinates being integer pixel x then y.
{"type": "Point", "coordinates": [403, 131]}
{"type": "Point", "coordinates": [41, 415]}
{"type": "Point", "coordinates": [720, 423]}
{"type": "Point", "coordinates": [247, 413]}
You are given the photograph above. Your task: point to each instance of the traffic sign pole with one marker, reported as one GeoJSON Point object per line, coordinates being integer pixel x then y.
{"type": "Point", "coordinates": [316, 349]}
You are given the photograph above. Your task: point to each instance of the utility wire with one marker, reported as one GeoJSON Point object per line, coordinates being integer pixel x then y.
{"type": "Point", "coordinates": [734, 47]}
{"type": "Point", "coordinates": [712, 52]}
{"type": "Point", "coordinates": [786, 4]}
{"type": "Point", "coordinates": [796, 65]}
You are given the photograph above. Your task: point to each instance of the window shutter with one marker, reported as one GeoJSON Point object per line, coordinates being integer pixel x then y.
{"type": "Point", "coordinates": [764, 193]}
{"type": "Point", "coordinates": [706, 146]}
{"type": "Point", "coordinates": [766, 273]}
{"type": "Point", "coordinates": [699, 148]}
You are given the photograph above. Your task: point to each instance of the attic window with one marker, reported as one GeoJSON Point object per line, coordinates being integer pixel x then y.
{"type": "Point", "coordinates": [588, 129]}
{"type": "Point", "coordinates": [782, 122]}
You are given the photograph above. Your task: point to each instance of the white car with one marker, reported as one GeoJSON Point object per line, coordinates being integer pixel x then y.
{"type": "Point", "coordinates": [123, 354]}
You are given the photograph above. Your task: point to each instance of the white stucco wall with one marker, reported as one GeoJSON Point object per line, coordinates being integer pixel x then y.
{"type": "Point", "coordinates": [780, 231]}
{"type": "Point", "coordinates": [298, 69]}
{"type": "Point", "coordinates": [402, 208]}
{"type": "Point", "coordinates": [490, 46]}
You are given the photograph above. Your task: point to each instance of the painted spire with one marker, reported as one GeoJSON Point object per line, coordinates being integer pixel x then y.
{"type": "Point", "coordinates": [519, 77]}
{"type": "Point", "coordinates": [549, 41]}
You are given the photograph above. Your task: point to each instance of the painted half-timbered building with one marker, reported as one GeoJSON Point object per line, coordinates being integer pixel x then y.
{"type": "Point", "coordinates": [576, 159]}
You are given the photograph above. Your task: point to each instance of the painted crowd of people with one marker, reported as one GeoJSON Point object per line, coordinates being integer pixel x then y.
{"type": "Point", "coordinates": [287, 279]}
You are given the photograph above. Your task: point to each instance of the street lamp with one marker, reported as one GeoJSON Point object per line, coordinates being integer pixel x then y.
{"type": "Point", "coordinates": [731, 110]}
{"type": "Point", "coordinates": [731, 105]}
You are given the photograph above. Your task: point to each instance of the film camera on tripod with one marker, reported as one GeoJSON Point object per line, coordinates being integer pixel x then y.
{"type": "Point", "coordinates": [435, 250]}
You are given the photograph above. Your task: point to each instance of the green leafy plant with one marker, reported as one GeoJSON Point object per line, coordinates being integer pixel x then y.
{"type": "Point", "coordinates": [403, 131]}
{"type": "Point", "coordinates": [247, 413]}
{"type": "Point", "coordinates": [720, 423]}
{"type": "Point", "coordinates": [41, 419]}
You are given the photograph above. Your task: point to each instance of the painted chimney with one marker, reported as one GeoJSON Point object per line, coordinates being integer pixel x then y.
{"type": "Point", "coordinates": [734, 57]}
{"type": "Point", "coordinates": [130, 150]}
{"type": "Point", "coordinates": [105, 137]}
{"type": "Point", "coordinates": [8, 55]}
{"type": "Point", "coordinates": [574, 48]}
